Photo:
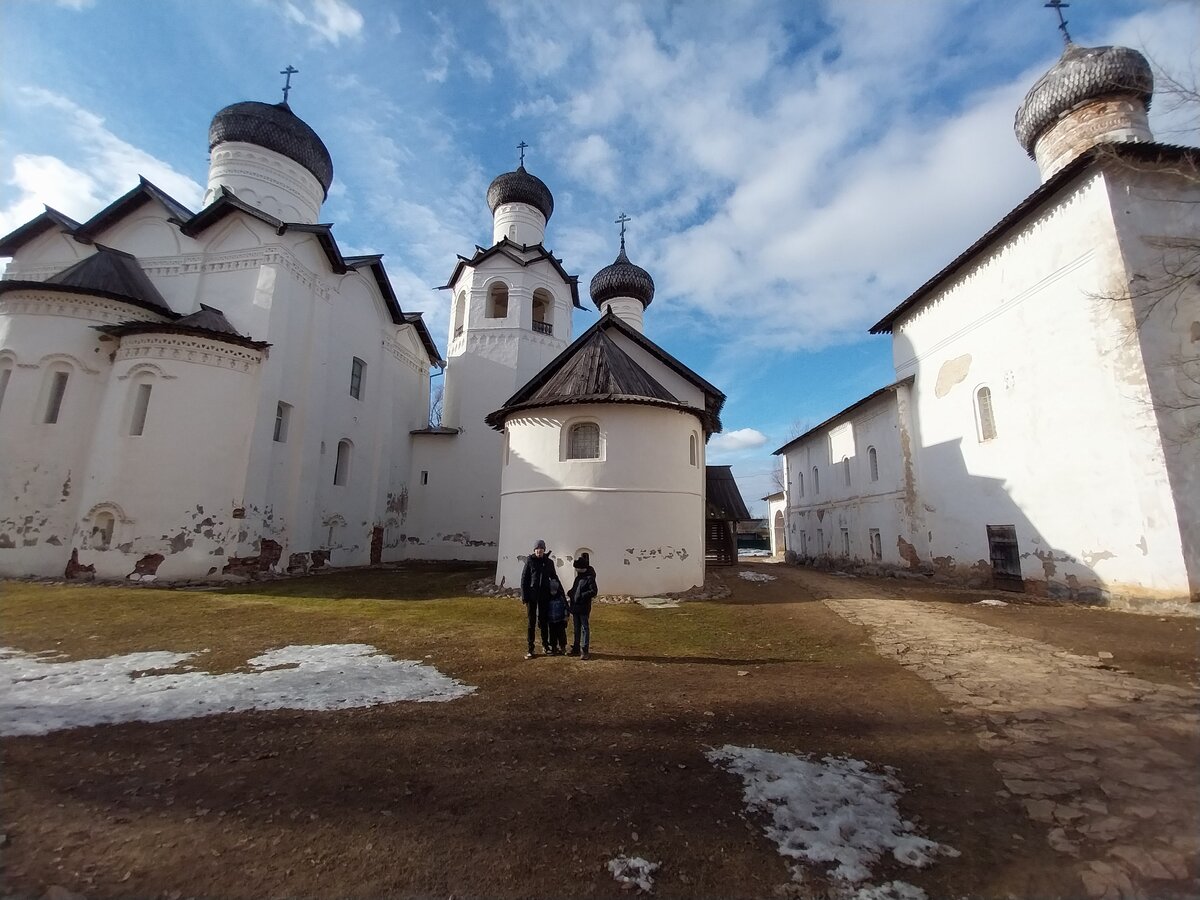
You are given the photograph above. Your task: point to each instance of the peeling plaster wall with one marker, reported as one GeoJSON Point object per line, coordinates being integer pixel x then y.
{"type": "Point", "coordinates": [639, 510]}
{"type": "Point", "coordinates": [1076, 464]}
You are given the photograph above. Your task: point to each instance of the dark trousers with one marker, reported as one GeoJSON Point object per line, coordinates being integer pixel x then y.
{"type": "Point", "coordinates": [582, 629]}
{"type": "Point", "coordinates": [558, 635]}
{"type": "Point", "coordinates": [538, 614]}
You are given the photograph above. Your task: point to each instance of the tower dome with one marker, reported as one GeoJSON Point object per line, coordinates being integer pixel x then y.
{"type": "Point", "coordinates": [622, 279]}
{"type": "Point", "coordinates": [520, 187]}
{"type": "Point", "coordinates": [274, 127]}
{"type": "Point", "coordinates": [1091, 95]}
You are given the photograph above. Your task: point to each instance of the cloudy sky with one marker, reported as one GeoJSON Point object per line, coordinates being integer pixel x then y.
{"type": "Point", "coordinates": [793, 169]}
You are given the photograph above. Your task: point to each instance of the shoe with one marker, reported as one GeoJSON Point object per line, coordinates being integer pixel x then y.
{"type": "Point", "coordinates": [586, 655]}
{"type": "Point", "coordinates": [530, 655]}
{"type": "Point", "coordinates": [547, 651]}
{"type": "Point", "coordinates": [574, 651]}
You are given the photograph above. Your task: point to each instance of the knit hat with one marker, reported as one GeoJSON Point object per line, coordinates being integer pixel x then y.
{"type": "Point", "coordinates": [582, 562]}
{"type": "Point", "coordinates": [539, 545]}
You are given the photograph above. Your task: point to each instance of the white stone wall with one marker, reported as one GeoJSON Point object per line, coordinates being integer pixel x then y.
{"type": "Point", "coordinates": [817, 510]}
{"type": "Point", "coordinates": [270, 181]}
{"type": "Point", "coordinates": [1076, 465]}
{"type": "Point", "coordinates": [519, 222]}
{"type": "Point", "coordinates": [638, 511]}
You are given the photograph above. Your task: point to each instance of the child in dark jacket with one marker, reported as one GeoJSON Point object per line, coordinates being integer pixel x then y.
{"type": "Point", "coordinates": [558, 618]}
{"type": "Point", "coordinates": [583, 592]}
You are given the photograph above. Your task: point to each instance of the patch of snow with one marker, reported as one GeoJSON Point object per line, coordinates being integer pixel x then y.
{"type": "Point", "coordinates": [633, 870]}
{"type": "Point", "coordinates": [755, 576]}
{"type": "Point", "coordinates": [991, 601]}
{"type": "Point", "coordinates": [831, 812]}
{"type": "Point", "coordinates": [40, 694]}
{"type": "Point", "coordinates": [658, 602]}
{"type": "Point", "coordinates": [753, 551]}
{"type": "Point", "coordinates": [892, 890]}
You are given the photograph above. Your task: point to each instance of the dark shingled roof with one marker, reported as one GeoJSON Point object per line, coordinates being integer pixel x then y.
{"type": "Point", "coordinates": [50, 218]}
{"type": "Point", "coordinates": [1081, 74]}
{"type": "Point", "coordinates": [594, 369]}
{"type": "Point", "coordinates": [520, 187]}
{"type": "Point", "coordinates": [622, 279]}
{"type": "Point", "coordinates": [207, 322]}
{"type": "Point", "coordinates": [723, 498]}
{"type": "Point", "coordinates": [277, 128]}
{"type": "Point", "coordinates": [523, 255]}
{"type": "Point", "coordinates": [1144, 153]}
{"type": "Point", "coordinates": [109, 273]}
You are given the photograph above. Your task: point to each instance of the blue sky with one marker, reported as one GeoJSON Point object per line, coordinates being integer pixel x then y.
{"type": "Point", "coordinates": [793, 169]}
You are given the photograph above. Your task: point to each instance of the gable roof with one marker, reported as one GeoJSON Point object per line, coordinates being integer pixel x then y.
{"type": "Point", "coordinates": [722, 497]}
{"type": "Point", "coordinates": [1147, 152]}
{"type": "Point", "coordinates": [520, 254]}
{"type": "Point", "coordinates": [192, 224]}
{"type": "Point", "coordinates": [44, 221]}
{"type": "Point", "coordinates": [113, 274]}
{"type": "Point", "coordinates": [594, 369]}
{"type": "Point", "coordinates": [908, 380]}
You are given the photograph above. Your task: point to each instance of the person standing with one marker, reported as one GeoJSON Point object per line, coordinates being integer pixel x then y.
{"type": "Point", "coordinates": [559, 606]}
{"type": "Point", "coordinates": [583, 591]}
{"type": "Point", "coordinates": [535, 594]}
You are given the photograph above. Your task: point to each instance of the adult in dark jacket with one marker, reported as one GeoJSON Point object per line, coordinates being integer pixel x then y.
{"type": "Point", "coordinates": [583, 592]}
{"type": "Point", "coordinates": [535, 594]}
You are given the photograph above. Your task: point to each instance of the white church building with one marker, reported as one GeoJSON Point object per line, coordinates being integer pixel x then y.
{"type": "Point", "coordinates": [193, 395]}
{"type": "Point", "coordinates": [1043, 428]}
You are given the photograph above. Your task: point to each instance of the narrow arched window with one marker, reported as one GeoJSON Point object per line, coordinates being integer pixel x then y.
{"type": "Point", "coordinates": [460, 313]}
{"type": "Point", "coordinates": [987, 418]}
{"type": "Point", "coordinates": [846, 469]}
{"type": "Point", "coordinates": [800, 483]}
{"type": "Point", "coordinates": [583, 441]}
{"type": "Point", "coordinates": [497, 301]}
{"type": "Point", "coordinates": [283, 416]}
{"type": "Point", "coordinates": [816, 482]}
{"type": "Point", "coordinates": [56, 390]}
{"type": "Point", "coordinates": [341, 469]}
{"type": "Point", "coordinates": [693, 450]}
{"type": "Point", "coordinates": [358, 371]}
{"type": "Point", "coordinates": [103, 525]}
{"type": "Point", "coordinates": [873, 460]}
{"type": "Point", "coordinates": [5, 373]}
{"type": "Point", "coordinates": [543, 306]}
{"type": "Point", "coordinates": [139, 406]}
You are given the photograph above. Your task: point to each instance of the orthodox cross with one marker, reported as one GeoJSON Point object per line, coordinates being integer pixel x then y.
{"type": "Point", "coordinates": [521, 146]}
{"type": "Point", "coordinates": [287, 85]}
{"type": "Point", "coordinates": [621, 220]}
{"type": "Point", "coordinates": [1058, 6]}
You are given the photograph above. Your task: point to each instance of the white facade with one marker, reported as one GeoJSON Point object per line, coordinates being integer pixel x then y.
{"type": "Point", "coordinates": [637, 508]}
{"type": "Point", "coordinates": [1048, 430]}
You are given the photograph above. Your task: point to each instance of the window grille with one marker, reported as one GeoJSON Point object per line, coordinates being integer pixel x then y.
{"type": "Point", "coordinates": [987, 418]}
{"type": "Point", "coordinates": [583, 441]}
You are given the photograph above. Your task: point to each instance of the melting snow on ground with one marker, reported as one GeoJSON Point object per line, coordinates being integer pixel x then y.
{"type": "Point", "coordinates": [40, 694]}
{"type": "Point", "coordinates": [633, 870]}
{"type": "Point", "coordinates": [991, 601]}
{"type": "Point", "coordinates": [756, 576]}
{"type": "Point", "coordinates": [832, 812]}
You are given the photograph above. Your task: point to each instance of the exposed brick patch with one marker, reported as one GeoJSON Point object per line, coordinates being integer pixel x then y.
{"type": "Point", "coordinates": [297, 564]}
{"type": "Point", "coordinates": [269, 553]}
{"type": "Point", "coordinates": [147, 565]}
{"type": "Point", "coordinates": [75, 570]}
{"type": "Point", "coordinates": [376, 545]}
{"type": "Point", "coordinates": [319, 558]}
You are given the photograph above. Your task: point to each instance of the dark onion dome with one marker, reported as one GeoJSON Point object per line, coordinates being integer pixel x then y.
{"type": "Point", "coordinates": [274, 127]}
{"type": "Point", "coordinates": [520, 187]}
{"type": "Point", "coordinates": [1081, 74]}
{"type": "Point", "coordinates": [622, 279]}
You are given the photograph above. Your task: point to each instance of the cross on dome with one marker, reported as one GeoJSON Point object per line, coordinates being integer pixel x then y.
{"type": "Point", "coordinates": [621, 220]}
{"type": "Point", "coordinates": [287, 85]}
{"type": "Point", "coordinates": [1058, 6]}
{"type": "Point", "coordinates": [521, 146]}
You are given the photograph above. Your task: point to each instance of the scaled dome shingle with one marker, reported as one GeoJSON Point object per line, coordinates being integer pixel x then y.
{"type": "Point", "coordinates": [1081, 74]}
{"type": "Point", "coordinates": [274, 127]}
{"type": "Point", "coordinates": [622, 279]}
{"type": "Point", "coordinates": [520, 187]}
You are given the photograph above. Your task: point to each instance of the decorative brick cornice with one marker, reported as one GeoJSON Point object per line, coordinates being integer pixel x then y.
{"type": "Point", "coordinates": [189, 349]}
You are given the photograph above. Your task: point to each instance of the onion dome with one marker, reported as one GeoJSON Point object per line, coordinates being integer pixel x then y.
{"type": "Point", "coordinates": [622, 279]}
{"type": "Point", "coordinates": [273, 127]}
{"type": "Point", "coordinates": [1081, 74]}
{"type": "Point", "coordinates": [520, 187]}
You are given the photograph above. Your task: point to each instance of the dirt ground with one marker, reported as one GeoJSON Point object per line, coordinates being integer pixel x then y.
{"type": "Point", "coordinates": [527, 787]}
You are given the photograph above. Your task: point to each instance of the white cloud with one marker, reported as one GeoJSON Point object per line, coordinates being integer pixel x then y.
{"type": "Point", "coordinates": [733, 441]}
{"type": "Point", "coordinates": [329, 20]}
{"type": "Point", "coordinates": [593, 160]}
{"type": "Point", "coordinates": [109, 167]}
